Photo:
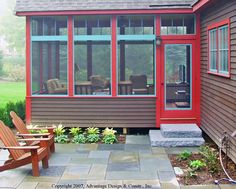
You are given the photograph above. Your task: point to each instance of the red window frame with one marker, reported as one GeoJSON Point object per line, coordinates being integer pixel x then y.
{"type": "Point", "coordinates": [217, 26]}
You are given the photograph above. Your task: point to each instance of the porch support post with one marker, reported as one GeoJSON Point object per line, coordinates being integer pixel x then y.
{"type": "Point", "coordinates": [89, 54]}
{"type": "Point", "coordinates": [198, 69]}
{"type": "Point", "coordinates": [158, 73]}
{"type": "Point", "coordinates": [113, 64]}
{"type": "Point", "coordinates": [70, 57]}
{"type": "Point", "coordinates": [122, 56]}
{"type": "Point", "coordinates": [28, 72]}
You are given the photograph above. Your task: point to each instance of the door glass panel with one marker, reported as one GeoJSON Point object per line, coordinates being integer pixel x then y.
{"type": "Point", "coordinates": [178, 76]}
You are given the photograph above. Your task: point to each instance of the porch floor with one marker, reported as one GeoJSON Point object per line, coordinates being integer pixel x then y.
{"type": "Point", "coordinates": [132, 165]}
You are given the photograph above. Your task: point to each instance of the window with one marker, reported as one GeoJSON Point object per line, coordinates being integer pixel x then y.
{"type": "Point", "coordinates": [92, 55]}
{"type": "Point", "coordinates": [49, 55]}
{"type": "Point", "coordinates": [218, 48]}
{"type": "Point", "coordinates": [136, 47]}
{"type": "Point", "coordinates": [177, 24]}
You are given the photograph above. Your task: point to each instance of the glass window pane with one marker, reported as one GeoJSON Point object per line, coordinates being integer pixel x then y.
{"type": "Point", "coordinates": [177, 24]}
{"type": "Point", "coordinates": [178, 79]}
{"type": "Point", "coordinates": [49, 25]}
{"type": "Point", "coordinates": [92, 62]}
{"type": "Point", "coordinates": [49, 68]}
{"type": "Point", "coordinates": [223, 49]}
{"type": "Point", "coordinates": [90, 25]}
{"type": "Point", "coordinates": [135, 25]}
{"type": "Point", "coordinates": [213, 50]}
{"type": "Point", "coordinates": [136, 68]}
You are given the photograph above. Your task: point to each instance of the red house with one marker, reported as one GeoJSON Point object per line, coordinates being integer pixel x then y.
{"type": "Point", "coordinates": [131, 63]}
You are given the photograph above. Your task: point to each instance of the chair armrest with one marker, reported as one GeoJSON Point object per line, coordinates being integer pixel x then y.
{"type": "Point", "coordinates": [33, 135]}
{"type": "Point", "coordinates": [21, 147]}
{"type": "Point", "coordinates": [34, 139]}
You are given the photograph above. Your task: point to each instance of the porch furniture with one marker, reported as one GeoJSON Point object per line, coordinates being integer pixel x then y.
{"type": "Point", "coordinates": [83, 88]}
{"type": "Point", "coordinates": [139, 84]}
{"type": "Point", "coordinates": [55, 87]}
{"type": "Point", "coordinates": [18, 157]}
{"type": "Point", "coordinates": [24, 132]}
{"type": "Point", "coordinates": [99, 84]}
{"type": "Point", "coordinates": [125, 87]}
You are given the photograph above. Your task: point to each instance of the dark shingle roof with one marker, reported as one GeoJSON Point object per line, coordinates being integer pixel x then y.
{"type": "Point", "coordinates": [73, 5]}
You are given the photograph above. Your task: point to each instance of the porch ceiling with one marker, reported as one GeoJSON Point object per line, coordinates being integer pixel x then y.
{"type": "Point", "coordinates": [75, 5]}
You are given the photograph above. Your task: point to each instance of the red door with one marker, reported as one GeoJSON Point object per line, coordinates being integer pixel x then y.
{"type": "Point", "coordinates": [178, 82]}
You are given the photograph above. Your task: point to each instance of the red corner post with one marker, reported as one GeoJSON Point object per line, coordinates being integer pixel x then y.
{"type": "Point", "coordinates": [28, 72]}
{"type": "Point", "coordinates": [70, 57]}
{"type": "Point", "coordinates": [113, 47]}
{"type": "Point", "coordinates": [158, 73]}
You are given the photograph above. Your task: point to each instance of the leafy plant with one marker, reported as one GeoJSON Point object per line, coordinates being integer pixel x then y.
{"type": "Point", "coordinates": [75, 131]}
{"type": "Point", "coordinates": [210, 158]}
{"type": "Point", "coordinates": [196, 164]}
{"type": "Point", "coordinates": [109, 139]}
{"type": "Point", "coordinates": [92, 130]}
{"type": "Point", "coordinates": [79, 139]}
{"type": "Point", "coordinates": [184, 155]}
{"type": "Point", "coordinates": [92, 138]}
{"type": "Point", "coordinates": [108, 131]}
{"type": "Point", "coordinates": [62, 139]}
{"type": "Point", "coordinates": [59, 130]}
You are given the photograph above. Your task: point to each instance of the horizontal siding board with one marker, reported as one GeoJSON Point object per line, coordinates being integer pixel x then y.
{"type": "Point", "coordinates": [218, 94]}
{"type": "Point", "coordinates": [136, 112]}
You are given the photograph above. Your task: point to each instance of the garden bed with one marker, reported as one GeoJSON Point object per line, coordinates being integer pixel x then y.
{"type": "Point", "coordinates": [208, 166]}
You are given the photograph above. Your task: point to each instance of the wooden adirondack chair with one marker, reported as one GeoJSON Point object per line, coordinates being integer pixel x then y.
{"type": "Point", "coordinates": [24, 132]}
{"type": "Point", "coordinates": [18, 155]}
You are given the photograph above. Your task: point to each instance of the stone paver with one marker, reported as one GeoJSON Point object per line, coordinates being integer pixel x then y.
{"type": "Point", "coordinates": [140, 139]}
{"type": "Point", "coordinates": [135, 165]}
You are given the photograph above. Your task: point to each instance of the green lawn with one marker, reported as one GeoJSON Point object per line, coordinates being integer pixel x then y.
{"type": "Point", "coordinates": [11, 91]}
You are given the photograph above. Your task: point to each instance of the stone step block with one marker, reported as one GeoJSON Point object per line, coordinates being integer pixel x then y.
{"type": "Point", "coordinates": [181, 131]}
{"type": "Point", "coordinates": [157, 139]}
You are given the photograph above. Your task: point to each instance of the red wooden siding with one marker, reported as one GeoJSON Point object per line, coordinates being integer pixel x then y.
{"type": "Point", "coordinates": [218, 94]}
{"type": "Point", "coordinates": [97, 112]}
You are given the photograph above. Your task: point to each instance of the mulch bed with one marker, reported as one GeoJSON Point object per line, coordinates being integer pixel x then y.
{"type": "Point", "coordinates": [203, 176]}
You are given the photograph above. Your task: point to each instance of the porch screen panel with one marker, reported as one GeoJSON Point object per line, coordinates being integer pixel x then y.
{"type": "Point", "coordinates": [178, 76]}
{"type": "Point", "coordinates": [136, 47]}
{"type": "Point", "coordinates": [49, 55]}
{"type": "Point", "coordinates": [92, 55]}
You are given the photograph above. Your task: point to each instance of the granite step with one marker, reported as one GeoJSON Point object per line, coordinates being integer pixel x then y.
{"type": "Point", "coordinates": [180, 131]}
{"type": "Point", "coordinates": [157, 139]}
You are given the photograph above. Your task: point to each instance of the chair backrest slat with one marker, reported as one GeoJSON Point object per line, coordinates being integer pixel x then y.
{"type": "Point", "coordinates": [20, 126]}
{"type": "Point", "coordinates": [8, 138]}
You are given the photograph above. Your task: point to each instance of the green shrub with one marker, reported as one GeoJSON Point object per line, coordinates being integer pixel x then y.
{"type": "Point", "coordinates": [196, 164]}
{"type": "Point", "coordinates": [18, 107]}
{"type": "Point", "coordinates": [93, 138]}
{"type": "Point", "coordinates": [210, 158]}
{"type": "Point", "coordinates": [109, 139]}
{"type": "Point", "coordinates": [62, 139]}
{"type": "Point", "coordinates": [59, 130]}
{"type": "Point", "coordinates": [75, 131]}
{"type": "Point", "coordinates": [92, 130]}
{"type": "Point", "coordinates": [184, 155]}
{"type": "Point", "coordinates": [79, 139]}
{"type": "Point", "coordinates": [108, 131]}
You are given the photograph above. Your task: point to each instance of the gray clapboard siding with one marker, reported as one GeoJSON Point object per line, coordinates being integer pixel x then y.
{"type": "Point", "coordinates": [218, 94]}
{"type": "Point", "coordinates": [98, 112]}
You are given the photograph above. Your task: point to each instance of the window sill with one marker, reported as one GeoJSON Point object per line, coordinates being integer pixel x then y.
{"type": "Point", "coordinates": [219, 74]}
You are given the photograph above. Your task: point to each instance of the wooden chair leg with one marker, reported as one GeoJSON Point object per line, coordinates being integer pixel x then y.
{"type": "Point", "coordinates": [52, 147]}
{"type": "Point", "coordinates": [45, 162]}
{"type": "Point", "coordinates": [35, 163]}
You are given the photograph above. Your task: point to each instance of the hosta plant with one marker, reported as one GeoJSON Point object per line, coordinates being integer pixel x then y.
{"type": "Point", "coordinates": [75, 131]}
{"type": "Point", "coordinates": [79, 139]}
{"type": "Point", "coordinates": [92, 130]}
{"type": "Point", "coordinates": [109, 139]}
{"type": "Point", "coordinates": [93, 138]}
{"type": "Point", "coordinates": [62, 139]}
